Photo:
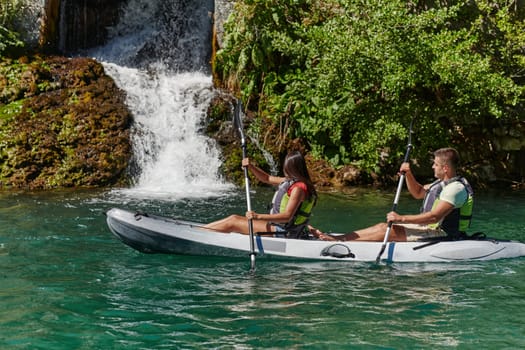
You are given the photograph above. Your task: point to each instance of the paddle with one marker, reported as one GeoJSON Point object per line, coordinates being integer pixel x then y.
{"type": "Point", "coordinates": [237, 122]}
{"type": "Point", "coordinates": [398, 192]}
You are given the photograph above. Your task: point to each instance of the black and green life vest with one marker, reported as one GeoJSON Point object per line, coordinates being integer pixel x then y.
{"type": "Point", "coordinates": [301, 217]}
{"type": "Point", "coordinates": [459, 219]}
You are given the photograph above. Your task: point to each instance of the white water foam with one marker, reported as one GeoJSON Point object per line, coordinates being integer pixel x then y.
{"type": "Point", "coordinates": [172, 157]}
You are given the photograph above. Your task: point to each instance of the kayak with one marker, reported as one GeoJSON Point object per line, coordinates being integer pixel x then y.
{"type": "Point", "coordinates": [149, 233]}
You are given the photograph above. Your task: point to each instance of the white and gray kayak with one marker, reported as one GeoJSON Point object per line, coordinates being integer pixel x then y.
{"type": "Point", "coordinates": [155, 234]}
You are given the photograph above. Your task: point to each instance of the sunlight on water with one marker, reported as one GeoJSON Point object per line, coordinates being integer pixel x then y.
{"type": "Point", "coordinates": [67, 283]}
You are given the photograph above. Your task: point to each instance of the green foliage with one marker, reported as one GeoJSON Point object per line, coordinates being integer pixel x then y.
{"type": "Point", "coordinates": [349, 75]}
{"type": "Point", "coordinates": [9, 38]}
{"type": "Point", "coordinates": [63, 122]}
{"type": "Point", "coordinates": [8, 111]}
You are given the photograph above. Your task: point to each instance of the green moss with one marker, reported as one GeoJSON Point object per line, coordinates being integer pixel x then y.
{"type": "Point", "coordinates": [63, 123]}
{"type": "Point", "coordinates": [10, 110]}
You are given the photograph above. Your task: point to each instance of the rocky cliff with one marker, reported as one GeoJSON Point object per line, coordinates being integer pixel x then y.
{"type": "Point", "coordinates": [63, 123]}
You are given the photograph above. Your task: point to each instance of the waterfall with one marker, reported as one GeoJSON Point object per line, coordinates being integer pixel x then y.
{"type": "Point", "coordinates": [159, 54]}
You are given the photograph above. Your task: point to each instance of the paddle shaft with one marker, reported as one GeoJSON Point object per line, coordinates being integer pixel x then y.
{"type": "Point", "coordinates": [396, 198]}
{"type": "Point", "coordinates": [249, 206]}
{"type": "Point", "coordinates": [238, 123]}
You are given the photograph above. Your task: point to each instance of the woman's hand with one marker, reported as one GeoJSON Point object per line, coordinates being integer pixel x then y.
{"type": "Point", "coordinates": [251, 215]}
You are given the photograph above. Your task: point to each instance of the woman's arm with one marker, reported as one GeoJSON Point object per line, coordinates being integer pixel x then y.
{"type": "Point", "coordinates": [297, 196]}
{"type": "Point", "coordinates": [260, 174]}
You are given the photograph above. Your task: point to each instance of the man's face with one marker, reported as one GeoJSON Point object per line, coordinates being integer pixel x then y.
{"type": "Point", "coordinates": [440, 168]}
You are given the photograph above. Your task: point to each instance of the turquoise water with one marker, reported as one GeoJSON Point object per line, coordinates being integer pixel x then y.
{"type": "Point", "coordinates": [67, 283]}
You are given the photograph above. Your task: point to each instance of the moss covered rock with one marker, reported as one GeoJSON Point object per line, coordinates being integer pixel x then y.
{"type": "Point", "coordinates": [63, 123]}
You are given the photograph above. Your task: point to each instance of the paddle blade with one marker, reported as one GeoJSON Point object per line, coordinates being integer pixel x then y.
{"type": "Point", "coordinates": [237, 116]}
{"type": "Point", "coordinates": [378, 258]}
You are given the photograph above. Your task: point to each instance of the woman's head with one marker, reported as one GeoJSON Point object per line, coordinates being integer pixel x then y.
{"type": "Point", "coordinates": [295, 168]}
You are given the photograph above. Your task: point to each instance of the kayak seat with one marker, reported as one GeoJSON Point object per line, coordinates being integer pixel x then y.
{"type": "Point", "coordinates": [338, 250]}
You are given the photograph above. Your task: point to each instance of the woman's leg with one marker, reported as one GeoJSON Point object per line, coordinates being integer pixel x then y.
{"type": "Point", "coordinates": [239, 224]}
{"type": "Point", "coordinates": [231, 223]}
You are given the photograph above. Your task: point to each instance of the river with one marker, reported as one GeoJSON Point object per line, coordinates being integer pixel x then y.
{"type": "Point", "coordinates": [67, 283]}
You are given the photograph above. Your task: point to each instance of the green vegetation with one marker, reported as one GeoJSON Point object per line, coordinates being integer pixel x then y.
{"type": "Point", "coordinates": [9, 38]}
{"type": "Point", "coordinates": [63, 123]}
{"type": "Point", "coordinates": [347, 76]}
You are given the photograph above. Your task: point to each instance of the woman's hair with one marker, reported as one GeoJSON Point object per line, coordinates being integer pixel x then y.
{"type": "Point", "coordinates": [295, 168]}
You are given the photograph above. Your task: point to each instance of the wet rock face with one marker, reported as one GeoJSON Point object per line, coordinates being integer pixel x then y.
{"type": "Point", "coordinates": [63, 123]}
{"type": "Point", "coordinates": [81, 23]}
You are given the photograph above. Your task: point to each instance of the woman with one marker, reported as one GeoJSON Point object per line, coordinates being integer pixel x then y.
{"type": "Point", "coordinates": [291, 205]}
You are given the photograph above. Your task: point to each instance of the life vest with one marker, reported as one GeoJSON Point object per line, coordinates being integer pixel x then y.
{"type": "Point", "coordinates": [301, 217]}
{"type": "Point", "coordinates": [458, 221]}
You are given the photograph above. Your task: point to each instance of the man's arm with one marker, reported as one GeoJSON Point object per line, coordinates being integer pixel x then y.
{"type": "Point", "coordinates": [437, 214]}
{"type": "Point", "coordinates": [415, 188]}
{"type": "Point", "coordinates": [452, 196]}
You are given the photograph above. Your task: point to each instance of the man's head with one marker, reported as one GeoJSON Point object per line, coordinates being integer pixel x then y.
{"type": "Point", "coordinates": [446, 161]}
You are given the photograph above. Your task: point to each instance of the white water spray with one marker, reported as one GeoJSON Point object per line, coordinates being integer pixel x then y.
{"type": "Point", "coordinates": [172, 157]}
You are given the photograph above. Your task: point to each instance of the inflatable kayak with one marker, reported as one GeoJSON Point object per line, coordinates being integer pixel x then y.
{"type": "Point", "coordinates": [155, 234]}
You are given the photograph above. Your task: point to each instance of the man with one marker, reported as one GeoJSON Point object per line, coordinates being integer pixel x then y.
{"type": "Point", "coordinates": [446, 210]}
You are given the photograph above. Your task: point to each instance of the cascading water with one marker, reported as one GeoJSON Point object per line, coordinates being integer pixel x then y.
{"type": "Point", "coordinates": [159, 53]}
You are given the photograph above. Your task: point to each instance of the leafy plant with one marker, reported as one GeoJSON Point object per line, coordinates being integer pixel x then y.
{"type": "Point", "coordinates": [10, 13]}
{"type": "Point", "coordinates": [347, 76]}
{"type": "Point", "coordinates": [9, 38]}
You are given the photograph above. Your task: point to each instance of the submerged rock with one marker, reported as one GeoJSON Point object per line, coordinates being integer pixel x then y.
{"type": "Point", "coordinates": [63, 123]}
